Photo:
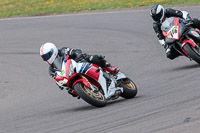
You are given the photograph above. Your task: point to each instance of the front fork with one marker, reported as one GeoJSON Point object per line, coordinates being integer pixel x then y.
{"type": "Point", "coordinates": [188, 41]}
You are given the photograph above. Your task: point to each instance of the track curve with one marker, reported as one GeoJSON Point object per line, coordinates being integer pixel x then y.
{"type": "Point", "coordinates": [168, 91]}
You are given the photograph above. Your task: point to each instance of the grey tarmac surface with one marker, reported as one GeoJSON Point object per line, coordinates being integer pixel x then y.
{"type": "Point", "coordinates": [30, 102]}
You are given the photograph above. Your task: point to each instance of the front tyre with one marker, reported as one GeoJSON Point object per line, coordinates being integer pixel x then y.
{"type": "Point", "coordinates": [129, 88]}
{"type": "Point", "coordinates": [192, 52]}
{"type": "Point", "coordinates": [87, 94]}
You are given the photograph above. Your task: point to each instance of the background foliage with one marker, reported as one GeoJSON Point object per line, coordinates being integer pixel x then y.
{"type": "Point", "coordinates": [40, 7]}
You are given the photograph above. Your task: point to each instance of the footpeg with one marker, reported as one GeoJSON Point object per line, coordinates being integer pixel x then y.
{"type": "Point", "coordinates": [116, 95]}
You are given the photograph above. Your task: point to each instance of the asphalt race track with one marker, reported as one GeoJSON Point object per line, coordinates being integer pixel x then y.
{"type": "Point", "coordinates": [168, 99]}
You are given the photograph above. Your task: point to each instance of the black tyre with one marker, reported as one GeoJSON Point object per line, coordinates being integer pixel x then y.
{"type": "Point", "coordinates": [87, 94]}
{"type": "Point", "coordinates": [129, 88]}
{"type": "Point", "coordinates": [192, 53]}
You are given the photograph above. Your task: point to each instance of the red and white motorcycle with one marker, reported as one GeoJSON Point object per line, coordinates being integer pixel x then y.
{"type": "Point", "coordinates": [93, 84]}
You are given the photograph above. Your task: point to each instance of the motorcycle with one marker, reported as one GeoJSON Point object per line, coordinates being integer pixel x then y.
{"type": "Point", "coordinates": [184, 39]}
{"type": "Point", "coordinates": [95, 85]}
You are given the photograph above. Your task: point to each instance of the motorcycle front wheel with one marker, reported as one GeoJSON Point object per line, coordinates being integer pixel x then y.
{"type": "Point", "coordinates": [95, 98]}
{"type": "Point", "coordinates": [192, 52]}
{"type": "Point", "coordinates": [129, 88]}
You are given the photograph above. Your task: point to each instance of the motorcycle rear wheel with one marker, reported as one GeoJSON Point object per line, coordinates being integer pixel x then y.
{"type": "Point", "coordinates": [87, 94]}
{"type": "Point", "coordinates": [129, 88]}
{"type": "Point", "coordinates": [192, 53]}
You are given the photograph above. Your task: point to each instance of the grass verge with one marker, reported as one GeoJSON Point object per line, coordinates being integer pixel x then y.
{"type": "Point", "coordinates": [10, 8]}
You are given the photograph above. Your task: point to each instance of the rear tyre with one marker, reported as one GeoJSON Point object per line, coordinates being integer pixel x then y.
{"type": "Point", "coordinates": [129, 88]}
{"type": "Point", "coordinates": [192, 53]}
{"type": "Point", "coordinates": [87, 94]}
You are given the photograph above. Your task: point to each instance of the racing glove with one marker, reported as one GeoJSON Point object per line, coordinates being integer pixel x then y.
{"type": "Point", "coordinates": [162, 42]}
{"type": "Point", "coordinates": [61, 83]}
{"type": "Point", "coordinates": [186, 15]}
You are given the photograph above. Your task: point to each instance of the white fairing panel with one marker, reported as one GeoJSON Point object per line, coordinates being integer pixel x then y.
{"type": "Point", "coordinates": [81, 67]}
{"type": "Point", "coordinates": [73, 63]}
{"type": "Point", "coordinates": [78, 67]}
{"type": "Point", "coordinates": [120, 75]}
{"type": "Point", "coordinates": [102, 82]}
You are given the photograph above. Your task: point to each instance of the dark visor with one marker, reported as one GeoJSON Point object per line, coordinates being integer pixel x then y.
{"type": "Point", "coordinates": [48, 55]}
{"type": "Point", "coordinates": [158, 16]}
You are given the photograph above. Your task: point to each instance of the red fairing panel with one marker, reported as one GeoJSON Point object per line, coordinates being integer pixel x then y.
{"type": "Point", "coordinates": [176, 21]}
{"type": "Point", "coordinates": [164, 33]}
{"type": "Point", "coordinates": [67, 67]}
{"type": "Point", "coordinates": [57, 78]}
{"type": "Point", "coordinates": [93, 65]}
{"type": "Point", "coordinates": [92, 72]}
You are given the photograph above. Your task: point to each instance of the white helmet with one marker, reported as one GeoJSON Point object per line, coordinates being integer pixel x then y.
{"type": "Point", "coordinates": [48, 52]}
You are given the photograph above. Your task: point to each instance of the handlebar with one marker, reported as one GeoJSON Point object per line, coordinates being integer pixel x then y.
{"type": "Point", "coordinates": [188, 22]}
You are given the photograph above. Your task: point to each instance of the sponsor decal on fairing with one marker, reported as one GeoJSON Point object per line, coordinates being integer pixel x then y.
{"type": "Point", "coordinates": [195, 33]}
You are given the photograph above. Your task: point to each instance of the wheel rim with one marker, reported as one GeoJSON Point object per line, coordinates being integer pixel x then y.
{"type": "Point", "coordinates": [95, 95]}
{"type": "Point", "coordinates": [129, 85]}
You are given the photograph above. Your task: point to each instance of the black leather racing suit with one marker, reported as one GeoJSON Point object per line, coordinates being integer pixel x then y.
{"type": "Point", "coordinates": [172, 13]}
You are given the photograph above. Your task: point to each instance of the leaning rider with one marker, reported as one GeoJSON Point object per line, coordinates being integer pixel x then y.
{"type": "Point", "coordinates": [159, 14]}
{"type": "Point", "coordinates": [54, 58]}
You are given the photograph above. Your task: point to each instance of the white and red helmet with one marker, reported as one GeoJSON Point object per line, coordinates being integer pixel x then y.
{"type": "Point", "coordinates": [48, 52]}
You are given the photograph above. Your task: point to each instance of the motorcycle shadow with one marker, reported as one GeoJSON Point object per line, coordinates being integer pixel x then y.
{"type": "Point", "coordinates": [90, 107]}
{"type": "Point", "coordinates": [193, 66]}
{"type": "Point", "coordinates": [109, 104]}
{"type": "Point", "coordinates": [87, 107]}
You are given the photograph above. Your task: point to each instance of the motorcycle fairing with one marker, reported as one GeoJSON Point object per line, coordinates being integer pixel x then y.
{"type": "Point", "coordinates": [194, 34]}
{"type": "Point", "coordinates": [120, 75]}
{"type": "Point", "coordinates": [102, 82]}
{"type": "Point", "coordinates": [91, 70]}
{"type": "Point", "coordinates": [172, 28]}
{"type": "Point", "coordinates": [173, 33]}
{"type": "Point", "coordinates": [88, 69]}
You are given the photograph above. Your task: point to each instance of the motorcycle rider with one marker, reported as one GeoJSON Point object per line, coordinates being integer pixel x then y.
{"type": "Point", "coordinates": [54, 57]}
{"type": "Point", "coordinates": [159, 14]}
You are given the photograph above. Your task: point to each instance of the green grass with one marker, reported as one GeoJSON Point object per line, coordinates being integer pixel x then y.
{"type": "Point", "coordinates": [10, 8]}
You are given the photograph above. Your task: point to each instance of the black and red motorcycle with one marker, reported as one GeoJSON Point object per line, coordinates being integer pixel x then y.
{"type": "Point", "coordinates": [184, 39]}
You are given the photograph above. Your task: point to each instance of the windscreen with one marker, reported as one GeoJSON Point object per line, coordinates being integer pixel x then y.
{"type": "Point", "coordinates": [167, 24]}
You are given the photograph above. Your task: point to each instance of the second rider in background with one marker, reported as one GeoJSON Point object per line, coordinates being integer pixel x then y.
{"type": "Point", "coordinates": [159, 14]}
